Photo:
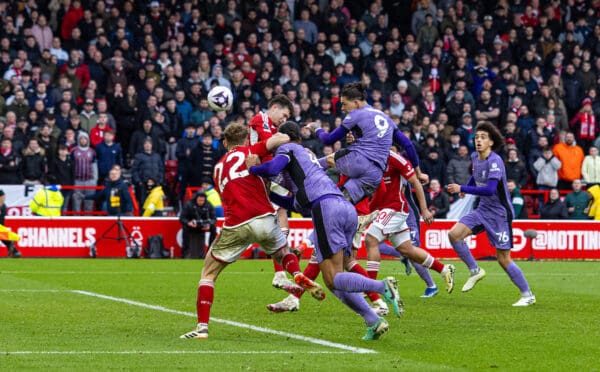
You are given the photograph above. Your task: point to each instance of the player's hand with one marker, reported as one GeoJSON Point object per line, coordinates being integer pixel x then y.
{"type": "Point", "coordinates": [453, 188]}
{"type": "Point", "coordinates": [252, 159]}
{"type": "Point", "coordinates": [427, 216]}
{"type": "Point", "coordinates": [423, 178]}
{"type": "Point", "coordinates": [349, 137]}
{"type": "Point", "coordinates": [314, 126]}
{"type": "Point", "coordinates": [331, 161]}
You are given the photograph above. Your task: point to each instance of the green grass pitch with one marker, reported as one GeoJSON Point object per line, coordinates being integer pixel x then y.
{"type": "Point", "coordinates": [44, 324]}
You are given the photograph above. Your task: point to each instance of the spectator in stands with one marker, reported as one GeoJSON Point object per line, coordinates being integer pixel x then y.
{"type": "Point", "coordinates": [146, 164]}
{"type": "Point", "coordinates": [453, 146]}
{"type": "Point", "coordinates": [86, 172]}
{"type": "Point", "coordinates": [115, 196]}
{"type": "Point", "coordinates": [438, 201]}
{"type": "Point", "coordinates": [466, 131]}
{"type": "Point", "coordinates": [585, 125]}
{"type": "Point", "coordinates": [554, 209]}
{"type": "Point", "coordinates": [203, 159]}
{"type": "Point", "coordinates": [109, 154]}
{"type": "Point", "coordinates": [154, 203]}
{"type": "Point", "coordinates": [20, 105]}
{"type": "Point", "coordinates": [34, 163]}
{"type": "Point", "coordinates": [547, 166]}
{"type": "Point", "coordinates": [571, 157]}
{"type": "Point", "coordinates": [185, 148]}
{"type": "Point", "coordinates": [97, 132]}
{"type": "Point", "coordinates": [88, 116]}
{"type": "Point", "coordinates": [590, 169]}
{"type": "Point", "coordinates": [139, 137]}
{"type": "Point", "coordinates": [63, 168]}
{"type": "Point", "coordinates": [515, 168]}
{"type": "Point", "coordinates": [578, 202]}
{"type": "Point", "coordinates": [434, 165]}
{"type": "Point", "coordinates": [459, 167]}
{"type": "Point", "coordinates": [9, 163]}
{"type": "Point", "coordinates": [198, 218]}
{"type": "Point", "coordinates": [517, 200]}
{"type": "Point", "coordinates": [212, 196]}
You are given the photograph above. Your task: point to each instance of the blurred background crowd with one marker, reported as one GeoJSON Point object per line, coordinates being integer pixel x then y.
{"type": "Point", "coordinates": [90, 85]}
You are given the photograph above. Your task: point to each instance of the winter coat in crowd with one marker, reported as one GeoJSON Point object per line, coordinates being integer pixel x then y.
{"type": "Point", "coordinates": [146, 166]}
{"type": "Point", "coordinates": [547, 171]}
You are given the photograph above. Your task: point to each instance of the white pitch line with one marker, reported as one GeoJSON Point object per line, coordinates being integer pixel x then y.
{"type": "Point", "coordinates": [133, 352]}
{"type": "Point", "coordinates": [34, 290]}
{"type": "Point", "coordinates": [232, 323]}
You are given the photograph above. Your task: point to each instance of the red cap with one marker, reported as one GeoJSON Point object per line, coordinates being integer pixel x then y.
{"type": "Point", "coordinates": [587, 101]}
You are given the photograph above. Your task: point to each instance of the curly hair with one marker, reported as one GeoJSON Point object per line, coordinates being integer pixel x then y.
{"type": "Point", "coordinates": [493, 133]}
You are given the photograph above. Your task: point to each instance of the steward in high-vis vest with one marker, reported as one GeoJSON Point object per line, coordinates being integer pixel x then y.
{"type": "Point", "coordinates": [47, 202]}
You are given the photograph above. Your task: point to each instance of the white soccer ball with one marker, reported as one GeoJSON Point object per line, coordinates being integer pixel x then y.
{"type": "Point", "coordinates": [220, 98]}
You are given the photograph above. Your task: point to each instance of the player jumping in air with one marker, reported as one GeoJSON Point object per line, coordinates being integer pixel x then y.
{"type": "Point", "coordinates": [364, 160]}
{"type": "Point", "coordinates": [260, 128]}
{"type": "Point", "coordinates": [390, 222]}
{"type": "Point", "coordinates": [334, 220]}
{"type": "Point", "coordinates": [249, 218]}
{"type": "Point", "coordinates": [494, 214]}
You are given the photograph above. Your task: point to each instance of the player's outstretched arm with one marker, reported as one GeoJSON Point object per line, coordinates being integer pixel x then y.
{"type": "Point", "coordinates": [329, 138]}
{"type": "Point", "coordinates": [407, 145]}
{"type": "Point", "coordinates": [416, 184]}
{"type": "Point", "coordinates": [270, 168]}
{"type": "Point", "coordinates": [284, 202]}
{"type": "Point", "coordinates": [486, 190]}
{"type": "Point", "coordinates": [277, 140]}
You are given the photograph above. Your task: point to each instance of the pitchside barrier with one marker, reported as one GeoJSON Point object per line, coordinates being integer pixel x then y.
{"type": "Point", "coordinates": [72, 237]}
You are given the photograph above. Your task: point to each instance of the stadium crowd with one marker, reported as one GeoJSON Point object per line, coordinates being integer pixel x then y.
{"type": "Point", "coordinates": [89, 85]}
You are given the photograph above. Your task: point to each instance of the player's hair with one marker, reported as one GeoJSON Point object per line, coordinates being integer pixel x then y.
{"type": "Point", "coordinates": [354, 91]}
{"type": "Point", "coordinates": [291, 129]}
{"type": "Point", "coordinates": [236, 134]}
{"type": "Point", "coordinates": [493, 132]}
{"type": "Point", "coordinates": [282, 101]}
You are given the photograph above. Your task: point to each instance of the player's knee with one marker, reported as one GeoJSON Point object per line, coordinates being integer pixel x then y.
{"type": "Point", "coordinates": [504, 260]}
{"type": "Point", "coordinates": [371, 242]}
{"type": "Point", "coordinates": [405, 248]}
{"type": "Point", "coordinates": [453, 236]}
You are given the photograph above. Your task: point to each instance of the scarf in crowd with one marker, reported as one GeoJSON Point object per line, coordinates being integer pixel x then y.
{"type": "Point", "coordinates": [588, 126]}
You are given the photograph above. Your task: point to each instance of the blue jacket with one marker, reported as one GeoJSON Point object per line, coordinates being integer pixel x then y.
{"type": "Point", "coordinates": [185, 109]}
{"type": "Point", "coordinates": [108, 156]}
{"type": "Point", "coordinates": [115, 196]}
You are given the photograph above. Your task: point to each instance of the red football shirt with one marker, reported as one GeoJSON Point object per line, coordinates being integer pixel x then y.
{"type": "Point", "coordinates": [244, 195]}
{"type": "Point", "coordinates": [392, 196]}
{"type": "Point", "coordinates": [260, 128]}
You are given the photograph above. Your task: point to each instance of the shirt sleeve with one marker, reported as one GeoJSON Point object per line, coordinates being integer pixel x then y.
{"type": "Point", "coordinates": [259, 148]}
{"type": "Point", "coordinates": [330, 138]}
{"type": "Point", "coordinates": [270, 168]}
{"type": "Point", "coordinates": [486, 190]}
{"type": "Point", "coordinates": [495, 170]}
{"type": "Point", "coordinates": [407, 145]}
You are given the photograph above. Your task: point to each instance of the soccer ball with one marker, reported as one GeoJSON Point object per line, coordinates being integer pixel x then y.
{"type": "Point", "coordinates": [220, 98]}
